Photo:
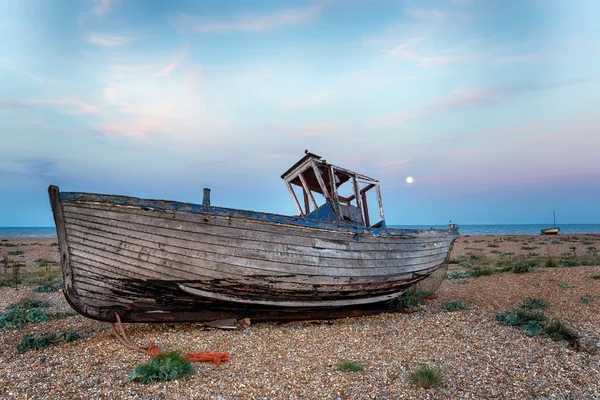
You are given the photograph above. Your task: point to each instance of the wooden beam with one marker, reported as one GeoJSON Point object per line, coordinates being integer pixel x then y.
{"type": "Point", "coordinates": [365, 208]}
{"type": "Point", "coordinates": [320, 180]}
{"type": "Point", "coordinates": [336, 197]}
{"type": "Point", "coordinates": [367, 188]}
{"type": "Point", "coordinates": [306, 206]}
{"type": "Point", "coordinates": [379, 201]}
{"type": "Point", "coordinates": [357, 194]}
{"type": "Point", "coordinates": [307, 190]}
{"type": "Point", "coordinates": [289, 186]}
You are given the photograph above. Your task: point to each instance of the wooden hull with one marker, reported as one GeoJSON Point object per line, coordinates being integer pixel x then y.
{"type": "Point", "coordinates": [550, 231]}
{"type": "Point", "coordinates": [152, 260]}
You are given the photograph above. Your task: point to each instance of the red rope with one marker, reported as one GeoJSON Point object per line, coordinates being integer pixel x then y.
{"type": "Point", "coordinates": [201, 356]}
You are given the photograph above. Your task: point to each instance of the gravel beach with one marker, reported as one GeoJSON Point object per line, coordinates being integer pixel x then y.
{"type": "Point", "coordinates": [480, 358]}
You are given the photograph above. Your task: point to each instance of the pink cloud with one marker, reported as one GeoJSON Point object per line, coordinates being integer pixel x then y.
{"type": "Point", "coordinates": [166, 71]}
{"type": "Point", "coordinates": [397, 162]}
{"type": "Point", "coordinates": [136, 130]}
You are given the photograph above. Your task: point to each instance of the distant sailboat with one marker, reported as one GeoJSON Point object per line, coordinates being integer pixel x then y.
{"type": "Point", "coordinates": [551, 231]}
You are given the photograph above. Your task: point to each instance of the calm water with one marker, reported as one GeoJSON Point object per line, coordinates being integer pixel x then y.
{"type": "Point", "coordinates": [35, 232]}
{"type": "Point", "coordinates": [470, 230]}
{"type": "Point", "coordinates": [531, 229]}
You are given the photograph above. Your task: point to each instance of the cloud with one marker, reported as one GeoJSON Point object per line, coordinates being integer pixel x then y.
{"type": "Point", "coordinates": [400, 49]}
{"type": "Point", "coordinates": [165, 71]}
{"type": "Point", "coordinates": [102, 6]}
{"type": "Point", "coordinates": [76, 106]}
{"type": "Point", "coordinates": [105, 40]}
{"type": "Point", "coordinates": [428, 14]}
{"type": "Point", "coordinates": [320, 129]}
{"type": "Point", "coordinates": [35, 78]}
{"type": "Point", "coordinates": [306, 102]}
{"type": "Point", "coordinates": [10, 103]}
{"type": "Point", "coordinates": [428, 62]}
{"type": "Point", "coordinates": [251, 23]}
{"type": "Point", "coordinates": [141, 107]}
{"type": "Point", "coordinates": [397, 162]}
{"type": "Point", "coordinates": [464, 98]}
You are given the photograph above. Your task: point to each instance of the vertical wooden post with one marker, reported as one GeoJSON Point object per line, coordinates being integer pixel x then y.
{"type": "Point", "coordinates": [380, 201]}
{"type": "Point", "coordinates": [334, 194]}
{"type": "Point", "coordinates": [307, 190]}
{"type": "Point", "coordinates": [357, 195]}
{"type": "Point", "coordinates": [320, 180]}
{"type": "Point", "coordinates": [289, 186]}
{"type": "Point", "coordinates": [206, 197]}
{"type": "Point", "coordinates": [363, 195]}
{"type": "Point", "coordinates": [306, 206]}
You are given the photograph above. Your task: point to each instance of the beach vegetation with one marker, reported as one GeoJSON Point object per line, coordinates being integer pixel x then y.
{"type": "Point", "coordinates": [165, 367]}
{"type": "Point", "coordinates": [550, 263]}
{"type": "Point", "coordinates": [17, 317]}
{"type": "Point", "coordinates": [529, 248]}
{"type": "Point", "coordinates": [456, 305]}
{"type": "Point", "coordinates": [30, 342]}
{"type": "Point", "coordinates": [46, 288]}
{"type": "Point", "coordinates": [493, 245]}
{"type": "Point", "coordinates": [587, 300]}
{"type": "Point", "coordinates": [530, 323]}
{"type": "Point", "coordinates": [533, 303]}
{"type": "Point", "coordinates": [349, 366]}
{"type": "Point", "coordinates": [45, 263]}
{"type": "Point", "coordinates": [15, 253]}
{"type": "Point", "coordinates": [427, 377]}
{"type": "Point", "coordinates": [481, 271]}
{"type": "Point", "coordinates": [565, 285]}
{"type": "Point", "coordinates": [558, 331]}
{"type": "Point", "coordinates": [29, 311]}
{"type": "Point", "coordinates": [458, 275]}
{"type": "Point", "coordinates": [9, 245]}
{"type": "Point", "coordinates": [413, 297]}
{"type": "Point", "coordinates": [594, 276]}
{"type": "Point", "coordinates": [521, 268]}
{"type": "Point", "coordinates": [464, 264]}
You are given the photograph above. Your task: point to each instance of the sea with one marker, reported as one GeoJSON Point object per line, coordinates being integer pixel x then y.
{"type": "Point", "coordinates": [465, 230]}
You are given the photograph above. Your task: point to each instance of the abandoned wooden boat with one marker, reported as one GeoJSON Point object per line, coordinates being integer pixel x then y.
{"type": "Point", "coordinates": [158, 261]}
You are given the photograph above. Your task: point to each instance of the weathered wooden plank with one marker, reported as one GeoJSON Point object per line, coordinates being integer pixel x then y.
{"type": "Point", "coordinates": [308, 256]}
{"type": "Point", "coordinates": [264, 225]}
{"type": "Point", "coordinates": [159, 259]}
{"type": "Point", "coordinates": [289, 303]}
{"type": "Point", "coordinates": [232, 231]}
{"type": "Point", "coordinates": [269, 262]}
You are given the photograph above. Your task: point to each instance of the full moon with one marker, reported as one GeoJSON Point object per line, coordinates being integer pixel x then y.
{"type": "Point", "coordinates": [409, 179]}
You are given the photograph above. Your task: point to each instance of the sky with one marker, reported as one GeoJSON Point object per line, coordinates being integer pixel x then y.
{"type": "Point", "coordinates": [490, 106]}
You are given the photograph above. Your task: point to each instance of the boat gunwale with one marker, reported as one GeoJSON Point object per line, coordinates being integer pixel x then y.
{"type": "Point", "coordinates": [299, 221]}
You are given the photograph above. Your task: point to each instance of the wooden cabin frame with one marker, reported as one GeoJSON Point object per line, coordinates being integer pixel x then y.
{"type": "Point", "coordinates": [314, 175]}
